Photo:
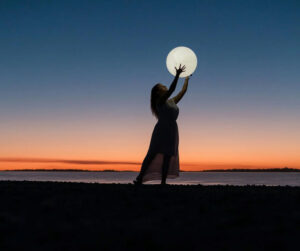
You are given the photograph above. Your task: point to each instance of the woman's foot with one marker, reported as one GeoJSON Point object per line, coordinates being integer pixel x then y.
{"type": "Point", "coordinates": [163, 183]}
{"type": "Point", "coordinates": [137, 182]}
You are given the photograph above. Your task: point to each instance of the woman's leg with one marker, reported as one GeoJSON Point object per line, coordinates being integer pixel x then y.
{"type": "Point", "coordinates": [165, 168]}
{"type": "Point", "coordinates": [145, 164]}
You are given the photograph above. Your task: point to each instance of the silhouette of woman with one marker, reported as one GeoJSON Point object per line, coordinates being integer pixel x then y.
{"type": "Point", "coordinates": [162, 159]}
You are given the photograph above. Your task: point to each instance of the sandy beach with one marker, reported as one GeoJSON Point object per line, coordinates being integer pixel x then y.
{"type": "Point", "coordinates": [77, 216]}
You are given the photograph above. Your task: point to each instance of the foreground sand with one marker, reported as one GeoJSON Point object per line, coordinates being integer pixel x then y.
{"type": "Point", "coordinates": [77, 216]}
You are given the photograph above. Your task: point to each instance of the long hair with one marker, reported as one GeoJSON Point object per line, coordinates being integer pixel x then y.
{"type": "Point", "coordinates": [154, 97]}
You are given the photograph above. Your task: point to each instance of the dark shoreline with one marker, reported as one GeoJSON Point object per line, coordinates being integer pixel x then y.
{"type": "Point", "coordinates": [83, 216]}
{"type": "Point", "coordinates": [285, 169]}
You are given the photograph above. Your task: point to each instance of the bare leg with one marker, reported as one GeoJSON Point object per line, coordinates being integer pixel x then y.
{"type": "Point", "coordinates": [165, 168]}
{"type": "Point", "coordinates": [145, 164]}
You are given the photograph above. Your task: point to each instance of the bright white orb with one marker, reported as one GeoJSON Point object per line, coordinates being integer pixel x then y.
{"type": "Point", "coordinates": [184, 56]}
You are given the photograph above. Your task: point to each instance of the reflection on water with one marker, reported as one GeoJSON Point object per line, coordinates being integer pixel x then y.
{"type": "Point", "coordinates": [186, 178]}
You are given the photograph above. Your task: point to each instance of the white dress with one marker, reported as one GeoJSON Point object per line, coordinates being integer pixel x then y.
{"type": "Point", "coordinates": [164, 140]}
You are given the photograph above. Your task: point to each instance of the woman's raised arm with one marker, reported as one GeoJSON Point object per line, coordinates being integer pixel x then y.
{"type": "Point", "coordinates": [179, 96]}
{"type": "Point", "coordinates": [173, 85]}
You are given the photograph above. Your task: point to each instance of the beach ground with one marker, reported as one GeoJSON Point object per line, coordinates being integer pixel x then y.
{"type": "Point", "coordinates": [80, 216]}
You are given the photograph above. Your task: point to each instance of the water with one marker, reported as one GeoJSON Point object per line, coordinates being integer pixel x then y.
{"type": "Point", "coordinates": [186, 178]}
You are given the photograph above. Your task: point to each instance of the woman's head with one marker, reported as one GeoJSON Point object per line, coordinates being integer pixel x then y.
{"type": "Point", "coordinates": [157, 91]}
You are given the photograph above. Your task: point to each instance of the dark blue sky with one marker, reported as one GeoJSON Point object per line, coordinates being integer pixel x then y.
{"type": "Point", "coordinates": [77, 60]}
{"type": "Point", "coordinates": [68, 52]}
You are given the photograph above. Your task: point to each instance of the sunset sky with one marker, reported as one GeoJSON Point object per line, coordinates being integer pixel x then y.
{"type": "Point", "coordinates": [76, 76]}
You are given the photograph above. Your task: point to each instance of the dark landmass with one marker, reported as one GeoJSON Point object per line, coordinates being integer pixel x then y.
{"type": "Point", "coordinates": [285, 169]}
{"type": "Point", "coordinates": [79, 216]}
{"type": "Point", "coordinates": [64, 170]}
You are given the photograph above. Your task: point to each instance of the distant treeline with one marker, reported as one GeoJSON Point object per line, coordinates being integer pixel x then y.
{"type": "Point", "coordinates": [67, 170]}
{"type": "Point", "coordinates": [285, 169]}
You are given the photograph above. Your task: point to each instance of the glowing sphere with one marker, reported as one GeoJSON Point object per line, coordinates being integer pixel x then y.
{"type": "Point", "coordinates": [184, 56]}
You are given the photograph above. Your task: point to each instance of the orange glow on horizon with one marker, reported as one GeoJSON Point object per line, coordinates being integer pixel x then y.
{"type": "Point", "coordinates": [96, 165]}
{"type": "Point", "coordinates": [205, 142]}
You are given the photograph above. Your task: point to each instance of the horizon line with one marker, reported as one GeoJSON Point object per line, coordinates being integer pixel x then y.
{"type": "Point", "coordinates": [112, 170]}
{"type": "Point", "coordinates": [67, 161]}
{"type": "Point", "coordinates": [197, 165]}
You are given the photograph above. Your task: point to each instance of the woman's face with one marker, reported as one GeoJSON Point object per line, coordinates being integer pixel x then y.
{"type": "Point", "coordinates": [162, 88]}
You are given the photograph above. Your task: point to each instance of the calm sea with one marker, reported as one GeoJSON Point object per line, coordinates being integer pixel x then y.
{"type": "Point", "coordinates": [186, 178]}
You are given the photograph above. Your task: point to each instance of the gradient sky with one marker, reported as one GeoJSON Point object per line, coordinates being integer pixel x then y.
{"type": "Point", "coordinates": [75, 81]}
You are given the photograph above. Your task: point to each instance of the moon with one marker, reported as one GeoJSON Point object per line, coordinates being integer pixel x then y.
{"type": "Point", "coordinates": [184, 56]}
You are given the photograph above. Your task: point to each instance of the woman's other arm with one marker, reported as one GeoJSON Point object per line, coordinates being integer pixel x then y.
{"type": "Point", "coordinates": [173, 85]}
{"type": "Point", "coordinates": [179, 96]}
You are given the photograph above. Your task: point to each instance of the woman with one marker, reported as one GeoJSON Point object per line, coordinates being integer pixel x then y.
{"type": "Point", "coordinates": [162, 159]}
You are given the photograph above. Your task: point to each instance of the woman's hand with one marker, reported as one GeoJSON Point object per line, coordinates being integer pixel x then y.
{"type": "Point", "coordinates": [180, 69]}
{"type": "Point", "coordinates": [188, 77]}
